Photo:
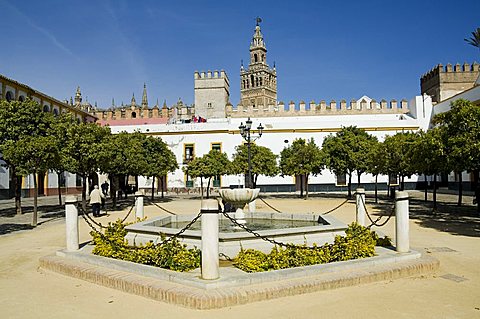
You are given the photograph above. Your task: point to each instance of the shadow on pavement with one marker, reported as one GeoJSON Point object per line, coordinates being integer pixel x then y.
{"type": "Point", "coordinates": [10, 228]}
{"type": "Point", "coordinates": [447, 217]}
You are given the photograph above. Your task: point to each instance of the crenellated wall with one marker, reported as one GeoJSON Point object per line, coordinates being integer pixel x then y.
{"type": "Point", "coordinates": [442, 82]}
{"type": "Point", "coordinates": [363, 106]}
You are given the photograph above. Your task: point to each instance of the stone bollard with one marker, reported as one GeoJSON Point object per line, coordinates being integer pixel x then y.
{"type": "Point", "coordinates": [401, 222]}
{"type": "Point", "coordinates": [360, 201]}
{"type": "Point", "coordinates": [139, 211]}
{"type": "Point", "coordinates": [71, 222]}
{"type": "Point", "coordinates": [210, 262]}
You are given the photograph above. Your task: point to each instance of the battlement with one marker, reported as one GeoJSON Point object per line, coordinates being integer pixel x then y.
{"type": "Point", "coordinates": [442, 82]}
{"type": "Point", "coordinates": [364, 105]}
{"type": "Point", "coordinates": [449, 68]}
{"type": "Point", "coordinates": [210, 75]}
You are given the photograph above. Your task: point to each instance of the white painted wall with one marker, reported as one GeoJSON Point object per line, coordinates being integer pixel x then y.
{"type": "Point", "coordinates": [225, 131]}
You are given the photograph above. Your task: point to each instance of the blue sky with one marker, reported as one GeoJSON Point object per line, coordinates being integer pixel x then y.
{"type": "Point", "coordinates": [322, 49]}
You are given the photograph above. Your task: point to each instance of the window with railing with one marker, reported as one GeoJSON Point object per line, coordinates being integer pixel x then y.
{"type": "Point", "coordinates": [188, 153]}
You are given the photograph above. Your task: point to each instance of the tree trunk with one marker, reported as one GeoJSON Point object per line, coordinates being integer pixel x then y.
{"type": "Point", "coordinates": [17, 190]}
{"type": "Point", "coordinates": [153, 186]}
{"type": "Point", "coordinates": [255, 177]}
{"type": "Point", "coordinates": [434, 191]}
{"type": "Point", "coordinates": [84, 193]}
{"type": "Point", "coordinates": [402, 183]}
{"type": "Point", "coordinates": [376, 189]}
{"type": "Point", "coordinates": [59, 189]}
{"type": "Point", "coordinates": [35, 200]}
{"type": "Point", "coordinates": [113, 190]}
{"type": "Point", "coordinates": [426, 187]}
{"type": "Point", "coordinates": [477, 189]}
{"type": "Point", "coordinates": [306, 186]}
{"type": "Point", "coordinates": [358, 178]}
{"type": "Point", "coordinates": [301, 185]}
{"type": "Point", "coordinates": [208, 187]}
{"type": "Point", "coordinates": [460, 189]}
{"type": "Point", "coordinates": [201, 187]}
{"type": "Point", "coordinates": [161, 185]}
{"type": "Point", "coordinates": [349, 185]}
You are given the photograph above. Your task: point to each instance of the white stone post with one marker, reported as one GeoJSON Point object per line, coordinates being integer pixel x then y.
{"type": "Point", "coordinates": [210, 262]}
{"type": "Point", "coordinates": [139, 212]}
{"type": "Point", "coordinates": [401, 222]}
{"type": "Point", "coordinates": [71, 222]}
{"type": "Point", "coordinates": [361, 212]}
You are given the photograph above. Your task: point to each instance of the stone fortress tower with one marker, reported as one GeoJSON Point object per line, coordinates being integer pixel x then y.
{"type": "Point", "coordinates": [258, 83]}
{"type": "Point", "coordinates": [212, 93]}
{"type": "Point", "coordinates": [443, 82]}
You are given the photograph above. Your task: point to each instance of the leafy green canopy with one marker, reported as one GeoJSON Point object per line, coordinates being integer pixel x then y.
{"type": "Point", "coordinates": [348, 150]}
{"type": "Point", "coordinates": [301, 158]}
{"type": "Point", "coordinates": [264, 162]}
{"type": "Point", "coordinates": [460, 128]}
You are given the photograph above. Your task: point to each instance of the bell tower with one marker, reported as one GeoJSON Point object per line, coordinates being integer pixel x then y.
{"type": "Point", "coordinates": [258, 83]}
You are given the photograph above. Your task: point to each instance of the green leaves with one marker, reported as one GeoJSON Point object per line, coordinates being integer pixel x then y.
{"type": "Point", "coordinates": [474, 39]}
{"type": "Point", "coordinates": [460, 131]}
{"type": "Point", "coordinates": [302, 158]}
{"type": "Point", "coordinates": [358, 242]}
{"type": "Point", "coordinates": [398, 152]}
{"type": "Point", "coordinates": [348, 150]}
{"type": "Point", "coordinates": [264, 162]}
{"type": "Point", "coordinates": [172, 255]}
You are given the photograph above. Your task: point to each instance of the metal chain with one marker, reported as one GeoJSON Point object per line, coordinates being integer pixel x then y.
{"type": "Point", "coordinates": [375, 222]}
{"type": "Point", "coordinates": [272, 241]}
{"type": "Point", "coordinates": [164, 209]}
{"type": "Point", "coordinates": [87, 217]}
{"type": "Point", "coordinates": [181, 231]}
{"type": "Point", "coordinates": [325, 213]}
{"type": "Point", "coordinates": [131, 208]}
{"type": "Point", "coordinates": [225, 256]}
{"type": "Point", "coordinates": [334, 209]}
{"type": "Point", "coordinates": [278, 211]}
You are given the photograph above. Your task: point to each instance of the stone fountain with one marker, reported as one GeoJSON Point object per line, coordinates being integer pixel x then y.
{"type": "Point", "coordinates": [239, 197]}
{"type": "Point", "coordinates": [296, 227]}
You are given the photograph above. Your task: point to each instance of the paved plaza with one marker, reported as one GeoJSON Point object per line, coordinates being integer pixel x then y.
{"type": "Point", "coordinates": [451, 235]}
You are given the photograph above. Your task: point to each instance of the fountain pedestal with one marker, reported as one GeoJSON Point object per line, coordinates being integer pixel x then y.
{"type": "Point", "coordinates": [239, 197]}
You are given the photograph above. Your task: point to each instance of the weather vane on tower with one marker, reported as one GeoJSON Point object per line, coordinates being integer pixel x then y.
{"type": "Point", "coordinates": [258, 19]}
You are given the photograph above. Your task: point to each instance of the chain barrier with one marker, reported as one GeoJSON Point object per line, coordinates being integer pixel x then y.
{"type": "Point", "coordinates": [278, 211]}
{"type": "Point", "coordinates": [375, 222]}
{"type": "Point", "coordinates": [272, 241]}
{"type": "Point", "coordinates": [181, 231]}
{"type": "Point", "coordinates": [334, 209]}
{"type": "Point", "coordinates": [90, 220]}
{"type": "Point", "coordinates": [225, 256]}
{"type": "Point", "coordinates": [164, 209]}
{"type": "Point", "coordinates": [325, 213]}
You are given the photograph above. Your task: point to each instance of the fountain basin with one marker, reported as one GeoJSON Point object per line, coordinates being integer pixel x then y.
{"type": "Point", "coordinates": [297, 229]}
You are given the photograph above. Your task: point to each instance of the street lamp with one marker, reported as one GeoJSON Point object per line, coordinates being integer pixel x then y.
{"type": "Point", "coordinates": [245, 131]}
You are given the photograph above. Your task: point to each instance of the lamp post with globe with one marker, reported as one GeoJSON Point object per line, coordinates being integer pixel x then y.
{"type": "Point", "coordinates": [246, 132]}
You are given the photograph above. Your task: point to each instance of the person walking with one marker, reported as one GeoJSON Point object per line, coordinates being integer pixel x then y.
{"type": "Point", "coordinates": [96, 197]}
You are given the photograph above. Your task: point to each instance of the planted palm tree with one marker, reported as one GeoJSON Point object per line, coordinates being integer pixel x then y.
{"type": "Point", "coordinates": [474, 39]}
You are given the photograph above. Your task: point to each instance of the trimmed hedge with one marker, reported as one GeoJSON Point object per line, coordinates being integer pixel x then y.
{"type": "Point", "coordinates": [359, 242]}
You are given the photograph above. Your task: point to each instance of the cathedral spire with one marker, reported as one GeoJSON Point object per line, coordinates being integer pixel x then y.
{"type": "Point", "coordinates": [258, 82]}
{"type": "Point", "coordinates": [257, 40]}
{"type": "Point", "coordinates": [144, 96]}
{"type": "Point", "coordinates": [78, 97]}
{"type": "Point", "coordinates": [134, 103]}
